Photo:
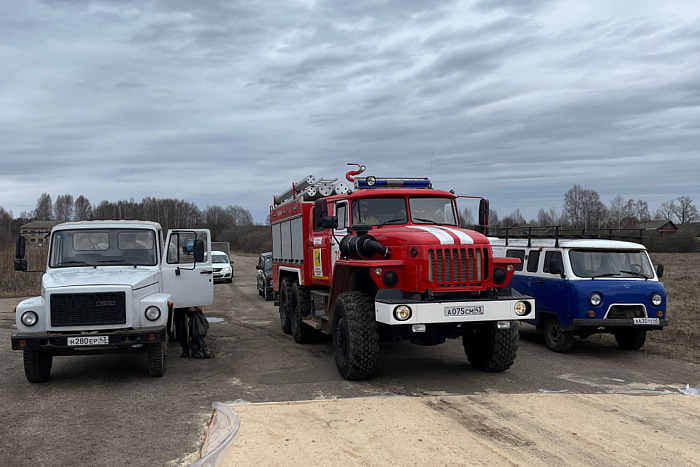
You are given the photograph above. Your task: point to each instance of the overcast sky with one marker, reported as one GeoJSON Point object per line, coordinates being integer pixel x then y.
{"type": "Point", "coordinates": [225, 102]}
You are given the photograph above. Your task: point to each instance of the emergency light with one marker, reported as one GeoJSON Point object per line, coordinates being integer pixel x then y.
{"type": "Point", "coordinates": [374, 182]}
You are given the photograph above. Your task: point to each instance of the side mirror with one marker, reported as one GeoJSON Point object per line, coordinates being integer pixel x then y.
{"type": "Point", "coordinates": [20, 265]}
{"type": "Point", "coordinates": [329, 222]}
{"type": "Point", "coordinates": [484, 216]}
{"type": "Point", "coordinates": [20, 247]}
{"type": "Point", "coordinates": [660, 271]}
{"type": "Point", "coordinates": [199, 251]}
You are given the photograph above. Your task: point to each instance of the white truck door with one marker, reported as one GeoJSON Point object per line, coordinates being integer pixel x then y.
{"type": "Point", "coordinates": [189, 282]}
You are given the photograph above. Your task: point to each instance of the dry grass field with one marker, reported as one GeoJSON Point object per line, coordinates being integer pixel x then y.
{"type": "Point", "coordinates": [680, 340]}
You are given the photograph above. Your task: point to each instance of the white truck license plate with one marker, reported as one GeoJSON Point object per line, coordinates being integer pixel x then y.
{"type": "Point", "coordinates": [88, 340]}
{"type": "Point", "coordinates": [646, 320]}
{"type": "Point", "coordinates": [464, 310]}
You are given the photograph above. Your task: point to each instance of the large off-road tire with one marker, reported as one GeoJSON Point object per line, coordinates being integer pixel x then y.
{"type": "Point", "coordinates": [156, 359]}
{"type": "Point", "coordinates": [37, 365]}
{"type": "Point", "coordinates": [555, 338]}
{"type": "Point", "coordinates": [355, 335]}
{"type": "Point", "coordinates": [489, 348]}
{"type": "Point", "coordinates": [268, 294]}
{"type": "Point", "coordinates": [631, 339]}
{"type": "Point", "coordinates": [285, 298]}
{"type": "Point", "coordinates": [300, 308]}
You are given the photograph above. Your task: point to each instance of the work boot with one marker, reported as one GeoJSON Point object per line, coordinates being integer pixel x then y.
{"type": "Point", "coordinates": [197, 354]}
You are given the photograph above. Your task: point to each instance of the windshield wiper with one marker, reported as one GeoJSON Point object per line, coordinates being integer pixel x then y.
{"type": "Point", "coordinates": [75, 262]}
{"type": "Point", "coordinates": [426, 221]}
{"type": "Point", "coordinates": [638, 274]}
{"type": "Point", "coordinates": [392, 221]}
{"type": "Point", "coordinates": [115, 260]}
{"type": "Point", "coordinates": [609, 274]}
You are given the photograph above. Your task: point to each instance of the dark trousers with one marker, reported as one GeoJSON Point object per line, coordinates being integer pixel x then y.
{"type": "Point", "coordinates": [182, 331]}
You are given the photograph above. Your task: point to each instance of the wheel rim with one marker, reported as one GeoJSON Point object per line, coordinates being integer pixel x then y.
{"type": "Point", "coordinates": [554, 332]}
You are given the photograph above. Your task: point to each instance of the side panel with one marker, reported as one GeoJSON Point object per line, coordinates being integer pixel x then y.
{"type": "Point", "coordinates": [277, 241]}
{"type": "Point", "coordinates": [189, 283]}
{"type": "Point", "coordinates": [296, 239]}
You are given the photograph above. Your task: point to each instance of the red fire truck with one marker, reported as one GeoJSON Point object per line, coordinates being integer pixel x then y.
{"type": "Point", "coordinates": [385, 258]}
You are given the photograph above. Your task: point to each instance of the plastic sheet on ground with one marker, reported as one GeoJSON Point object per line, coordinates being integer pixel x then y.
{"type": "Point", "coordinates": [691, 391]}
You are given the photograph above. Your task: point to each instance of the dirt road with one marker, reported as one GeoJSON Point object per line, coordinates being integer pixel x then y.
{"type": "Point", "coordinates": [106, 410]}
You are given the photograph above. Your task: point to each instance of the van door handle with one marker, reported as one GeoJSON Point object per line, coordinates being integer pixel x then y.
{"type": "Point", "coordinates": [206, 272]}
{"type": "Point", "coordinates": [540, 281]}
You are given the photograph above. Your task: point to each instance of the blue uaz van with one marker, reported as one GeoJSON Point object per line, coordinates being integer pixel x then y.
{"type": "Point", "coordinates": [587, 286]}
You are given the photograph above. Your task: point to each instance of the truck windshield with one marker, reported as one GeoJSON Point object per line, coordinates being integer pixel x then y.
{"type": "Point", "coordinates": [425, 210]}
{"type": "Point", "coordinates": [611, 263]}
{"type": "Point", "coordinates": [392, 211]}
{"type": "Point", "coordinates": [103, 247]}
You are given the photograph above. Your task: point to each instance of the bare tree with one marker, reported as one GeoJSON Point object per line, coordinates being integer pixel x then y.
{"type": "Point", "coordinates": [583, 208]}
{"type": "Point", "coordinates": [82, 209]}
{"type": "Point", "coordinates": [467, 217]}
{"type": "Point", "coordinates": [217, 220]}
{"type": "Point", "coordinates": [44, 208]}
{"type": "Point", "coordinates": [666, 210]}
{"type": "Point", "coordinates": [514, 218]}
{"type": "Point", "coordinates": [240, 215]}
{"type": "Point", "coordinates": [685, 211]}
{"type": "Point", "coordinates": [63, 208]}
{"type": "Point", "coordinates": [550, 217]}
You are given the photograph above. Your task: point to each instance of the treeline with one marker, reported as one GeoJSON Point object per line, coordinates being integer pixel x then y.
{"type": "Point", "coordinates": [583, 209]}
{"type": "Point", "coordinates": [169, 213]}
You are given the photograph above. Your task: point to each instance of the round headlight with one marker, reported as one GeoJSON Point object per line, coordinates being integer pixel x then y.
{"type": "Point", "coordinates": [656, 299]}
{"type": "Point", "coordinates": [499, 276]}
{"type": "Point", "coordinates": [390, 279]}
{"type": "Point", "coordinates": [402, 313]}
{"type": "Point", "coordinates": [29, 318]}
{"type": "Point", "coordinates": [521, 308]}
{"type": "Point", "coordinates": [152, 313]}
{"type": "Point", "coordinates": [595, 299]}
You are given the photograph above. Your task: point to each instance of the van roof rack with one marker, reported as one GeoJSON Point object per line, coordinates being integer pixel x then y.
{"type": "Point", "coordinates": [556, 232]}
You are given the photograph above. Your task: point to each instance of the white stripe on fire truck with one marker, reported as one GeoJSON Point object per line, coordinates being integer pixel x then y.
{"type": "Point", "coordinates": [444, 237]}
{"type": "Point", "coordinates": [463, 237]}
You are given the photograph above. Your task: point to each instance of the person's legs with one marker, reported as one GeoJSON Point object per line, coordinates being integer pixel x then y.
{"type": "Point", "coordinates": [183, 330]}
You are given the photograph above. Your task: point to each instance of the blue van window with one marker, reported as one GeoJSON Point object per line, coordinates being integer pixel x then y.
{"type": "Point", "coordinates": [549, 256]}
{"type": "Point", "coordinates": [532, 259]}
{"type": "Point", "coordinates": [520, 254]}
{"type": "Point", "coordinates": [626, 263]}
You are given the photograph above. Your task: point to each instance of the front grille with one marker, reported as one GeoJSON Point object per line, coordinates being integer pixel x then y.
{"type": "Point", "coordinates": [88, 308]}
{"type": "Point", "coordinates": [455, 267]}
{"type": "Point", "coordinates": [626, 312]}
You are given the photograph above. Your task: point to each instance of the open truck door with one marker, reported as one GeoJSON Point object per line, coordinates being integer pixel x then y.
{"type": "Point", "coordinates": [188, 276]}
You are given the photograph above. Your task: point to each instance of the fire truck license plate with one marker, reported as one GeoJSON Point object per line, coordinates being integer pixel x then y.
{"type": "Point", "coordinates": [646, 320]}
{"type": "Point", "coordinates": [464, 310]}
{"type": "Point", "coordinates": [88, 340]}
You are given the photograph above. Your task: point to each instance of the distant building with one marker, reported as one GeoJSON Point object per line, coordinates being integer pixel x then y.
{"type": "Point", "coordinates": [658, 227]}
{"type": "Point", "coordinates": [36, 232]}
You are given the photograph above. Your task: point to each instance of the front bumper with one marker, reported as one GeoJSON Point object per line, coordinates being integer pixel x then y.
{"type": "Point", "coordinates": [433, 312]}
{"type": "Point", "coordinates": [615, 323]}
{"type": "Point", "coordinates": [57, 344]}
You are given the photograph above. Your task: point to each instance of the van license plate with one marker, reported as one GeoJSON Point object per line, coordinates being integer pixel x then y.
{"type": "Point", "coordinates": [646, 321]}
{"type": "Point", "coordinates": [88, 340]}
{"type": "Point", "coordinates": [464, 310]}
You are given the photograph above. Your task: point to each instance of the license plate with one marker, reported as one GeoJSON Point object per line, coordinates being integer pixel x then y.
{"type": "Point", "coordinates": [88, 340]}
{"type": "Point", "coordinates": [464, 310]}
{"type": "Point", "coordinates": [646, 320]}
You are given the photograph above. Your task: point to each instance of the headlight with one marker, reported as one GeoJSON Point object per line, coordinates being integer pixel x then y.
{"type": "Point", "coordinates": [595, 299]}
{"type": "Point", "coordinates": [152, 313]}
{"type": "Point", "coordinates": [656, 299]}
{"type": "Point", "coordinates": [402, 313]}
{"type": "Point", "coordinates": [226, 270]}
{"type": "Point", "coordinates": [521, 308]}
{"type": "Point", "coordinates": [29, 318]}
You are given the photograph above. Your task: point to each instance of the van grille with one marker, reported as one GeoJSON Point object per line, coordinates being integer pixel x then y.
{"type": "Point", "coordinates": [626, 312]}
{"type": "Point", "coordinates": [88, 308]}
{"type": "Point", "coordinates": [454, 267]}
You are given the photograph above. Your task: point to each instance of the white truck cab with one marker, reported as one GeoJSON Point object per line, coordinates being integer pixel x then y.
{"type": "Point", "coordinates": [111, 286]}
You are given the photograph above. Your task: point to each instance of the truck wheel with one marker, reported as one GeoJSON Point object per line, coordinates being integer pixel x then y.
{"type": "Point", "coordinates": [37, 365]}
{"type": "Point", "coordinates": [355, 335]}
{"type": "Point", "coordinates": [489, 348]}
{"type": "Point", "coordinates": [285, 295]}
{"type": "Point", "coordinates": [156, 359]}
{"type": "Point", "coordinates": [555, 338]}
{"type": "Point", "coordinates": [267, 294]}
{"type": "Point", "coordinates": [260, 291]}
{"type": "Point", "coordinates": [299, 308]}
{"type": "Point", "coordinates": [631, 339]}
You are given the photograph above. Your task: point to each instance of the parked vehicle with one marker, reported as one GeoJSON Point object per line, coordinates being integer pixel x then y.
{"type": "Point", "coordinates": [223, 266]}
{"type": "Point", "coordinates": [110, 286]}
{"type": "Point", "coordinates": [584, 286]}
{"type": "Point", "coordinates": [388, 260]}
{"type": "Point", "coordinates": [264, 268]}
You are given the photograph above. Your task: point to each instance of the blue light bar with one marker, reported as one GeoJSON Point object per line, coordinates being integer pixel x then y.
{"type": "Point", "coordinates": [374, 182]}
